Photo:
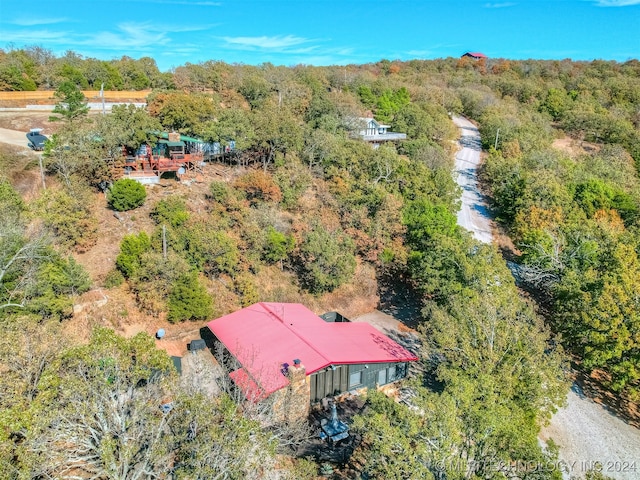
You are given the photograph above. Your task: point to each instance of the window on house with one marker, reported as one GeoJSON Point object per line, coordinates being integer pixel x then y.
{"type": "Point", "coordinates": [382, 377]}
{"type": "Point", "coordinates": [355, 379]}
{"type": "Point", "coordinates": [392, 373]}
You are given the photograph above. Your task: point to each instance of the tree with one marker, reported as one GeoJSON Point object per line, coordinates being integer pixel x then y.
{"type": "Point", "coordinates": [189, 300]}
{"type": "Point", "coordinates": [67, 213]}
{"type": "Point", "coordinates": [171, 211]}
{"type": "Point", "coordinates": [126, 194]}
{"type": "Point", "coordinates": [71, 105]}
{"type": "Point", "coordinates": [259, 187]}
{"type": "Point", "coordinates": [277, 131]}
{"type": "Point", "coordinates": [599, 317]}
{"type": "Point", "coordinates": [126, 126]}
{"type": "Point", "coordinates": [107, 422]}
{"type": "Point", "coordinates": [424, 220]}
{"type": "Point", "coordinates": [393, 446]}
{"type": "Point", "coordinates": [155, 278]}
{"type": "Point", "coordinates": [278, 246]}
{"type": "Point", "coordinates": [58, 282]}
{"type": "Point", "coordinates": [22, 253]}
{"type": "Point", "coordinates": [207, 248]}
{"type": "Point", "coordinates": [326, 259]}
{"type": "Point", "coordinates": [132, 247]}
{"type": "Point", "coordinates": [183, 112]}
{"type": "Point", "coordinates": [114, 409]}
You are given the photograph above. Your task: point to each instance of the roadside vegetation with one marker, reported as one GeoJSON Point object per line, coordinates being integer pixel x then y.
{"type": "Point", "coordinates": [308, 204]}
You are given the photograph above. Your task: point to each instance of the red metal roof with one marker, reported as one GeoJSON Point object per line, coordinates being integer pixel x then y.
{"type": "Point", "coordinates": [476, 54]}
{"type": "Point", "coordinates": [264, 336]}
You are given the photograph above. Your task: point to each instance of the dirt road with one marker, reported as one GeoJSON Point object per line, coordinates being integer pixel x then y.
{"type": "Point", "coordinates": [474, 214]}
{"type": "Point", "coordinates": [589, 435]}
{"type": "Point", "coordinates": [13, 137]}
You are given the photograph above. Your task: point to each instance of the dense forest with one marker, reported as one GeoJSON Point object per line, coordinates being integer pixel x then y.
{"type": "Point", "coordinates": [309, 210]}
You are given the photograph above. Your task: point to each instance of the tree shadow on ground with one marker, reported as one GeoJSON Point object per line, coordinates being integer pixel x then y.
{"type": "Point", "coordinates": [398, 299]}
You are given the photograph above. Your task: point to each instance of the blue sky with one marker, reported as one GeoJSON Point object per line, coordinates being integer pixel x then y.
{"type": "Point", "coordinates": [289, 32]}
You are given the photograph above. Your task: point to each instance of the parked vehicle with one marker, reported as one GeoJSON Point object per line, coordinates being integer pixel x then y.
{"type": "Point", "coordinates": [36, 139]}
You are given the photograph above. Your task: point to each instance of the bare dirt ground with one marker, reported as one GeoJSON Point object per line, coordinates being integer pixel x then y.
{"type": "Point", "coordinates": [574, 147]}
{"type": "Point", "coordinates": [116, 307]}
{"type": "Point", "coordinates": [23, 121]}
{"type": "Point", "coordinates": [590, 434]}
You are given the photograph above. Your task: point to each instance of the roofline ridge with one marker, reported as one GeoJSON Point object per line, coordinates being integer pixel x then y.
{"type": "Point", "coordinates": [304, 340]}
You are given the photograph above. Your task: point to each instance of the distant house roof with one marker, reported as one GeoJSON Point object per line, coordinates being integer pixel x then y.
{"type": "Point", "coordinates": [372, 121]}
{"type": "Point", "coordinates": [475, 55]}
{"type": "Point", "coordinates": [265, 336]}
{"type": "Point", "coordinates": [370, 130]}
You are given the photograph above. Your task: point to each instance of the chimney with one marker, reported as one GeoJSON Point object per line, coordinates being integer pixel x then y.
{"type": "Point", "coordinates": [299, 391]}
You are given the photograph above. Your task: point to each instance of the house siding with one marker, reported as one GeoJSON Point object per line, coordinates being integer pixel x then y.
{"type": "Point", "coordinates": [328, 382]}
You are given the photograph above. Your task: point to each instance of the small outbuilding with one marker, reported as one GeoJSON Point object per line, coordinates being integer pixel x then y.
{"type": "Point", "coordinates": [474, 55]}
{"type": "Point", "coordinates": [277, 345]}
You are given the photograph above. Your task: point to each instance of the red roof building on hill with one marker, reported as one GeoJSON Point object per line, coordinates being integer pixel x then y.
{"type": "Point", "coordinates": [267, 338]}
{"type": "Point", "coordinates": [476, 55]}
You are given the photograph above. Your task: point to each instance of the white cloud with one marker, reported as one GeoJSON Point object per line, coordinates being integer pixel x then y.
{"type": "Point", "coordinates": [419, 53]}
{"type": "Point", "coordinates": [201, 3]}
{"type": "Point", "coordinates": [617, 3]}
{"type": "Point", "coordinates": [272, 43]}
{"type": "Point", "coordinates": [129, 36]}
{"type": "Point", "coordinates": [499, 5]}
{"type": "Point", "coordinates": [31, 22]}
{"type": "Point", "coordinates": [137, 36]}
{"type": "Point", "coordinates": [30, 37]}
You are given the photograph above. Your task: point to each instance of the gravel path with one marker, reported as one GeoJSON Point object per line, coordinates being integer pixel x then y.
{"type": "Point", "coordinates": [588, 434]}
{"type": "Point", "coordinates": [474, 214]}
{"type": "Point", "coordinates": [592, 437]}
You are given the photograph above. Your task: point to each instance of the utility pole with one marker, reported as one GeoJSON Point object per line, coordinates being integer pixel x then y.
{"type": "Point", "coordinates": [495, 145]}
{"type": "Point", "coordinates": [102, 95]}
{"type": "Point", "coordinates": [164, 241]}
{"type": "Point", "coordinates": [44, 186]}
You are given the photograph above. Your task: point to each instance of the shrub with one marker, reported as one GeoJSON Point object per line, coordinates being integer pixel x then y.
{"type": "Point", "coordinates": [246, 289]}
{"type": "Point", "coordinates": [171, 211]}
{"type": "Point", "coordinates": [259, 187]}
{"type": "Point", "coordinates": [126, 194]}
{"type": "Point", "coordinates": [219, 191]}
{"type": "Point", "coordinates": [68, 214]}
{"type": "Point", "coordinates": [189, 300]}
{"type": "Point", "coordinates": [278, 246]}
{"type": "Point", "coordinates": [113, 279]}
{"type": "Point", "coordinates": [327, 260]}
{"type": "Point", "coordinates": [131, 249]}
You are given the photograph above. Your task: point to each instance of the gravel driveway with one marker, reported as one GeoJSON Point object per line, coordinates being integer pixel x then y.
{"type": "Point", "coordinates": [14, 137]}
{"type": "Point", "coordinates": [588, 434]}
{"type": "Point", "coordinates": [474, 214]}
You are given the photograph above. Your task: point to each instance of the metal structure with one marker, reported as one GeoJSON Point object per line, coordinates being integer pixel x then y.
{"type": "Point", "coordinates": [333, 430]}
{"type": "Point", "coordinates": [176, 153]}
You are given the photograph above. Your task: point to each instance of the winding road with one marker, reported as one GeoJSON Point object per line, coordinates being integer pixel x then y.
{"type": "Point", "coordinates": [588, 435]}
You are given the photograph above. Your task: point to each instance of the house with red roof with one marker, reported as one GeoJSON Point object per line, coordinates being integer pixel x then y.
{"type": "Point", "coordinates": [474, 55]}
{"type": "Point", "coordinates": [272, 343]}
